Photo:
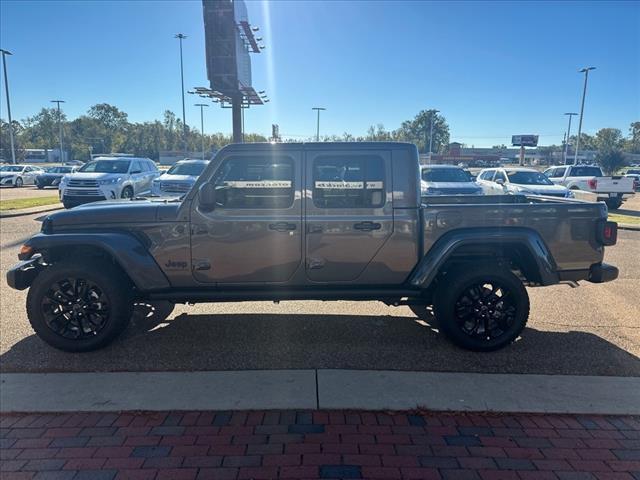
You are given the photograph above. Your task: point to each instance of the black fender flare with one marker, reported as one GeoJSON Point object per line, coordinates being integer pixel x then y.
{"type": "Point", "coordinates": [128, 252]}
{"type": "Point", "coordinates": [445, 246]}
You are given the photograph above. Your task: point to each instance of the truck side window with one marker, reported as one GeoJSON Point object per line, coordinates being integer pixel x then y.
{"type": "Point", "coordinates": [343, 181]}
{"type": "Point", "coordinates": [255, 182]}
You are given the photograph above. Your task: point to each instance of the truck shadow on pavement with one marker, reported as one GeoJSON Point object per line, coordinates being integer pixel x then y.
{"type": "Point", "coordinates": [244, 341]}
{"type": "Point", "coordinates": [631, 213]}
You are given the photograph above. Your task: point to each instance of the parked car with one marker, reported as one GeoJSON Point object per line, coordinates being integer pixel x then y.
{"type": "Point", "coordinates": [590, 178]}
{"type": "Point", "coordinates": [321, 221]}
{"type": "Point", "coordinates": [108, 178]}
{"type": "Point", "coordinates": [19, 175]}
{"type": "Point", "coordinates": [51, 176]}
{"type": "Point", "coordinates": [179, 179]}
{"type": "Point", "coordinates": [447, 180]}
{"type": "Point", "coordinates": [525, 181]}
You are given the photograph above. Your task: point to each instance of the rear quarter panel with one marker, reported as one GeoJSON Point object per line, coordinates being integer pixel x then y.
{"type": "Point", "coordinates": [568, 228]}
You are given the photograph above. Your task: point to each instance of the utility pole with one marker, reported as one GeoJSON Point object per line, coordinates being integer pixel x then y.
{"type": "Point", "coordinates": [202, 105]}
{"type": "Point", "coordinates": [181, 37]}
{"type": "Point", "coordinates": [566, 145]}
{"type": "Point", "coordinates": [584, 94]}
{"type": "Point", "coordinates": [433, 114]}
{"type": "Point", "coordinates": [6, 86]}
{"type": "Point", "coordinates": [318, 109]}
{"type": "Point", "coordinates": [58, 102]}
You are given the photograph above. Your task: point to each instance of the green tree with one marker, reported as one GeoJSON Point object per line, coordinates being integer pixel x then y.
{"type": "Point", "coordinates": [609, 143]}
{"type": "Point", "coordinates": [633, 143]}
{"type": "Point", "coordinates": [417, 131]}
{"type": "Point", "coordinates": [5, 140]}
{"type": "Point", "coordinates": [41, 130]}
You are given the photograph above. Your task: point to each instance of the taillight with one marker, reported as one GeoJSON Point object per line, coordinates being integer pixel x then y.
{"type": "Point", "coordinates": [607, 233]}
{"type": "Point", "coordinates": [592, 183]}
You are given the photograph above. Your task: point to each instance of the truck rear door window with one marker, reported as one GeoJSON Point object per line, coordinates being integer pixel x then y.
{"type": "Point", "coordinates": [255, 182]}
{"type": "Point", "coordinates": [586, 172]}
{"type": "Point", "coordinates": [348, 181]}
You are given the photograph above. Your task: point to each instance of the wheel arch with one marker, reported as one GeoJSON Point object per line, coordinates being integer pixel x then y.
{"type": "Point", "coordinates": [124, 250]}
{"type": "Point", "coordinates": [521, 249]}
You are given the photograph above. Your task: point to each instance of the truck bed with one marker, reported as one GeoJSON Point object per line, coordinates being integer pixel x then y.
{"type": "Point", "coordinates": [567, 226]}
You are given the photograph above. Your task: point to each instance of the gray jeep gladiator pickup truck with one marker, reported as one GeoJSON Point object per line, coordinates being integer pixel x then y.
{"type": "Point", "coordinates": [317, 221]}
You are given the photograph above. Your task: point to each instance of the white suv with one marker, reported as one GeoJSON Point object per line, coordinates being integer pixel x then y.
{"type": "Point", "coordinates": [108, 178]}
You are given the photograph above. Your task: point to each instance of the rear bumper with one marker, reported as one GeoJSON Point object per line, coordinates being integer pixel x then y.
{"type": "Point", "coordinates": [22, 274]}
{"type": "Point", "coordinates": [602, 272]}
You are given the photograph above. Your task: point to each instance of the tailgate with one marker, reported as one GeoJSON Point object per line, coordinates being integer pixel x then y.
{"type": "Point", "coordinates": [616, 184]}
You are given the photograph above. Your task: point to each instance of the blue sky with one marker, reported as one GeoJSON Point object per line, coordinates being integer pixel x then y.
{"type": "Point", "coordinates": [493, 68]}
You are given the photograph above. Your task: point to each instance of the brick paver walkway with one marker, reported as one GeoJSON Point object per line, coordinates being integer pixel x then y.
{"type": "Point", "coordinates": [297, 445]}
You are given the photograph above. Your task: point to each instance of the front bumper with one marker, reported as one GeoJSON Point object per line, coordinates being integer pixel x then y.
{"type": "Point", "coordinates": [7, 180]}
{"type": "Point", "coordinates": [22, 274]}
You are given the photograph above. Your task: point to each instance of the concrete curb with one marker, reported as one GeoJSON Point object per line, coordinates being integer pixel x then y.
{"type": "Point", "coordinates": [627, 226]}
{"type": "Point", "coordinates": [31, 211]}
{"type": "Point", "coordinates": [318, 389]}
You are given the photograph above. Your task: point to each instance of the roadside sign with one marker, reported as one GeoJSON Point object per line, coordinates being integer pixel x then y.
{"type": "Point", "coordinates": [524, 140]}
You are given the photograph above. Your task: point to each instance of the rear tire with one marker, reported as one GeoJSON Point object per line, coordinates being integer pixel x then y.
{"type": "Point", "coordinates": [613, 203]}
{"type": "Point", "coordinates": [40, 186]}
{"type": "Point", "coordinates": [78, 306]}
{"type": "Point", "coordinates": [483, 308]}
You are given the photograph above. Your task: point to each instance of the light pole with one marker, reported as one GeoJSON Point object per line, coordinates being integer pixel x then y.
{"type": "Point", "coordinates": [6, 86]}
{"type": "Point", "coordinates": [566, 145]}
{"type": "Point", "coordinates": [318, 109]}
{"type": "Point", "coordinates": [58, 102]}
{"type": "Point", "coordinates": [181, 37]}
{"type": "Point", "coordinates": [202, 105]}
{"type": "Point", "coordinates": [584, 94]}
{"type": "Point", "coordinates": [433, 114]}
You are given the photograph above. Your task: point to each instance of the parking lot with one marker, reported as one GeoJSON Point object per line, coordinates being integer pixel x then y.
{"type": "Point", "coordinates": [591, 330]}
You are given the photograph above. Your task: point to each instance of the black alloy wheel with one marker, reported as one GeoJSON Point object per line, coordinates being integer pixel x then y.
{"type": "Point", "coordinates": [75, 308]}
{"type": "Point", "coordinates": [481, 307]}
{"type": "Point", "coordinates": [485, 311]}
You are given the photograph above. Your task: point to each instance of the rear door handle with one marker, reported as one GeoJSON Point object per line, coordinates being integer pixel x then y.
{"type": "Point", "coordinates": [282, 226]}
{"type": "Point", "coordinates": [314, 229]}
{"type": "Point", "coordinates": [367, 226]}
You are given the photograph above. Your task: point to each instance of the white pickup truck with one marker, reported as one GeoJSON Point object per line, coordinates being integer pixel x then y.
{"type": "Point", "coordinates": [589, 178]}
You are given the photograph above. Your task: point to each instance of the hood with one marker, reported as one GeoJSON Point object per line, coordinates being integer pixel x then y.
{"type": "Point", "coordinates": [165, 177]}
{"type": "Point", "coordinates": [95, 215]}
{"type": "Point", "coordinates": [93, 175]}
{"type": "Point", "coordinates": [541, 189]}
{"type": "Point", "coordinates": [451, 185]}
{"type": "Point", "coordinates": [52, 175]}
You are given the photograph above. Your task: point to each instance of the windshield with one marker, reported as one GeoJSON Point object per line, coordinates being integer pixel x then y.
{"type": "Point", "coordinates": [189, 168]}
{"type": "Point", "coordinates": [586, 172]}
{"type": "Point", "coordinates": [106, 166]}
{"type": "Point", "coordinates": [445, 175]}
{"type": "Point", "coordinates": [11, 168]}
{"type": "Point", "coordinates": [528, 178]}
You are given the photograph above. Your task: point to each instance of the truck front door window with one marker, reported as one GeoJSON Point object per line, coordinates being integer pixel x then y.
{"type": "Point", "coordinates": [255, 183]}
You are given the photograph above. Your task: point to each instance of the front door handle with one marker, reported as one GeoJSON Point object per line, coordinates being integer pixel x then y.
{"type": "Point", "coordinates": [367, 226]}
{"type": "Point", "coordinates": [282, 226]}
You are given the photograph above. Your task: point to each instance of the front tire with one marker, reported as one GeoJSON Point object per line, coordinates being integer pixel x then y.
{"type": "Point", "coordinates": [483, 308]}
{"type": "Point", "coordinates": [127, 192]}
{"type": "Point", "coordinates": [18, 183]}
{"type": "Point", "coordinates": [76, 307]}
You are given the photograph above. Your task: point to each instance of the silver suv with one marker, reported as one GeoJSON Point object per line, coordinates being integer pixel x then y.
{"type": "Point", "coordinates": [108, 178]}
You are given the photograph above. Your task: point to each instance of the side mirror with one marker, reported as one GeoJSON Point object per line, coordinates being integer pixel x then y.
{"type": "Point", "coordinates": [207, 196]}
{"type": "Point", "coordinates": [500, 181]}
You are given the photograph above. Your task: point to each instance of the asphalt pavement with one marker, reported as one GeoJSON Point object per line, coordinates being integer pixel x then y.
{"type": "Point", "coordinates": [591, 330]}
